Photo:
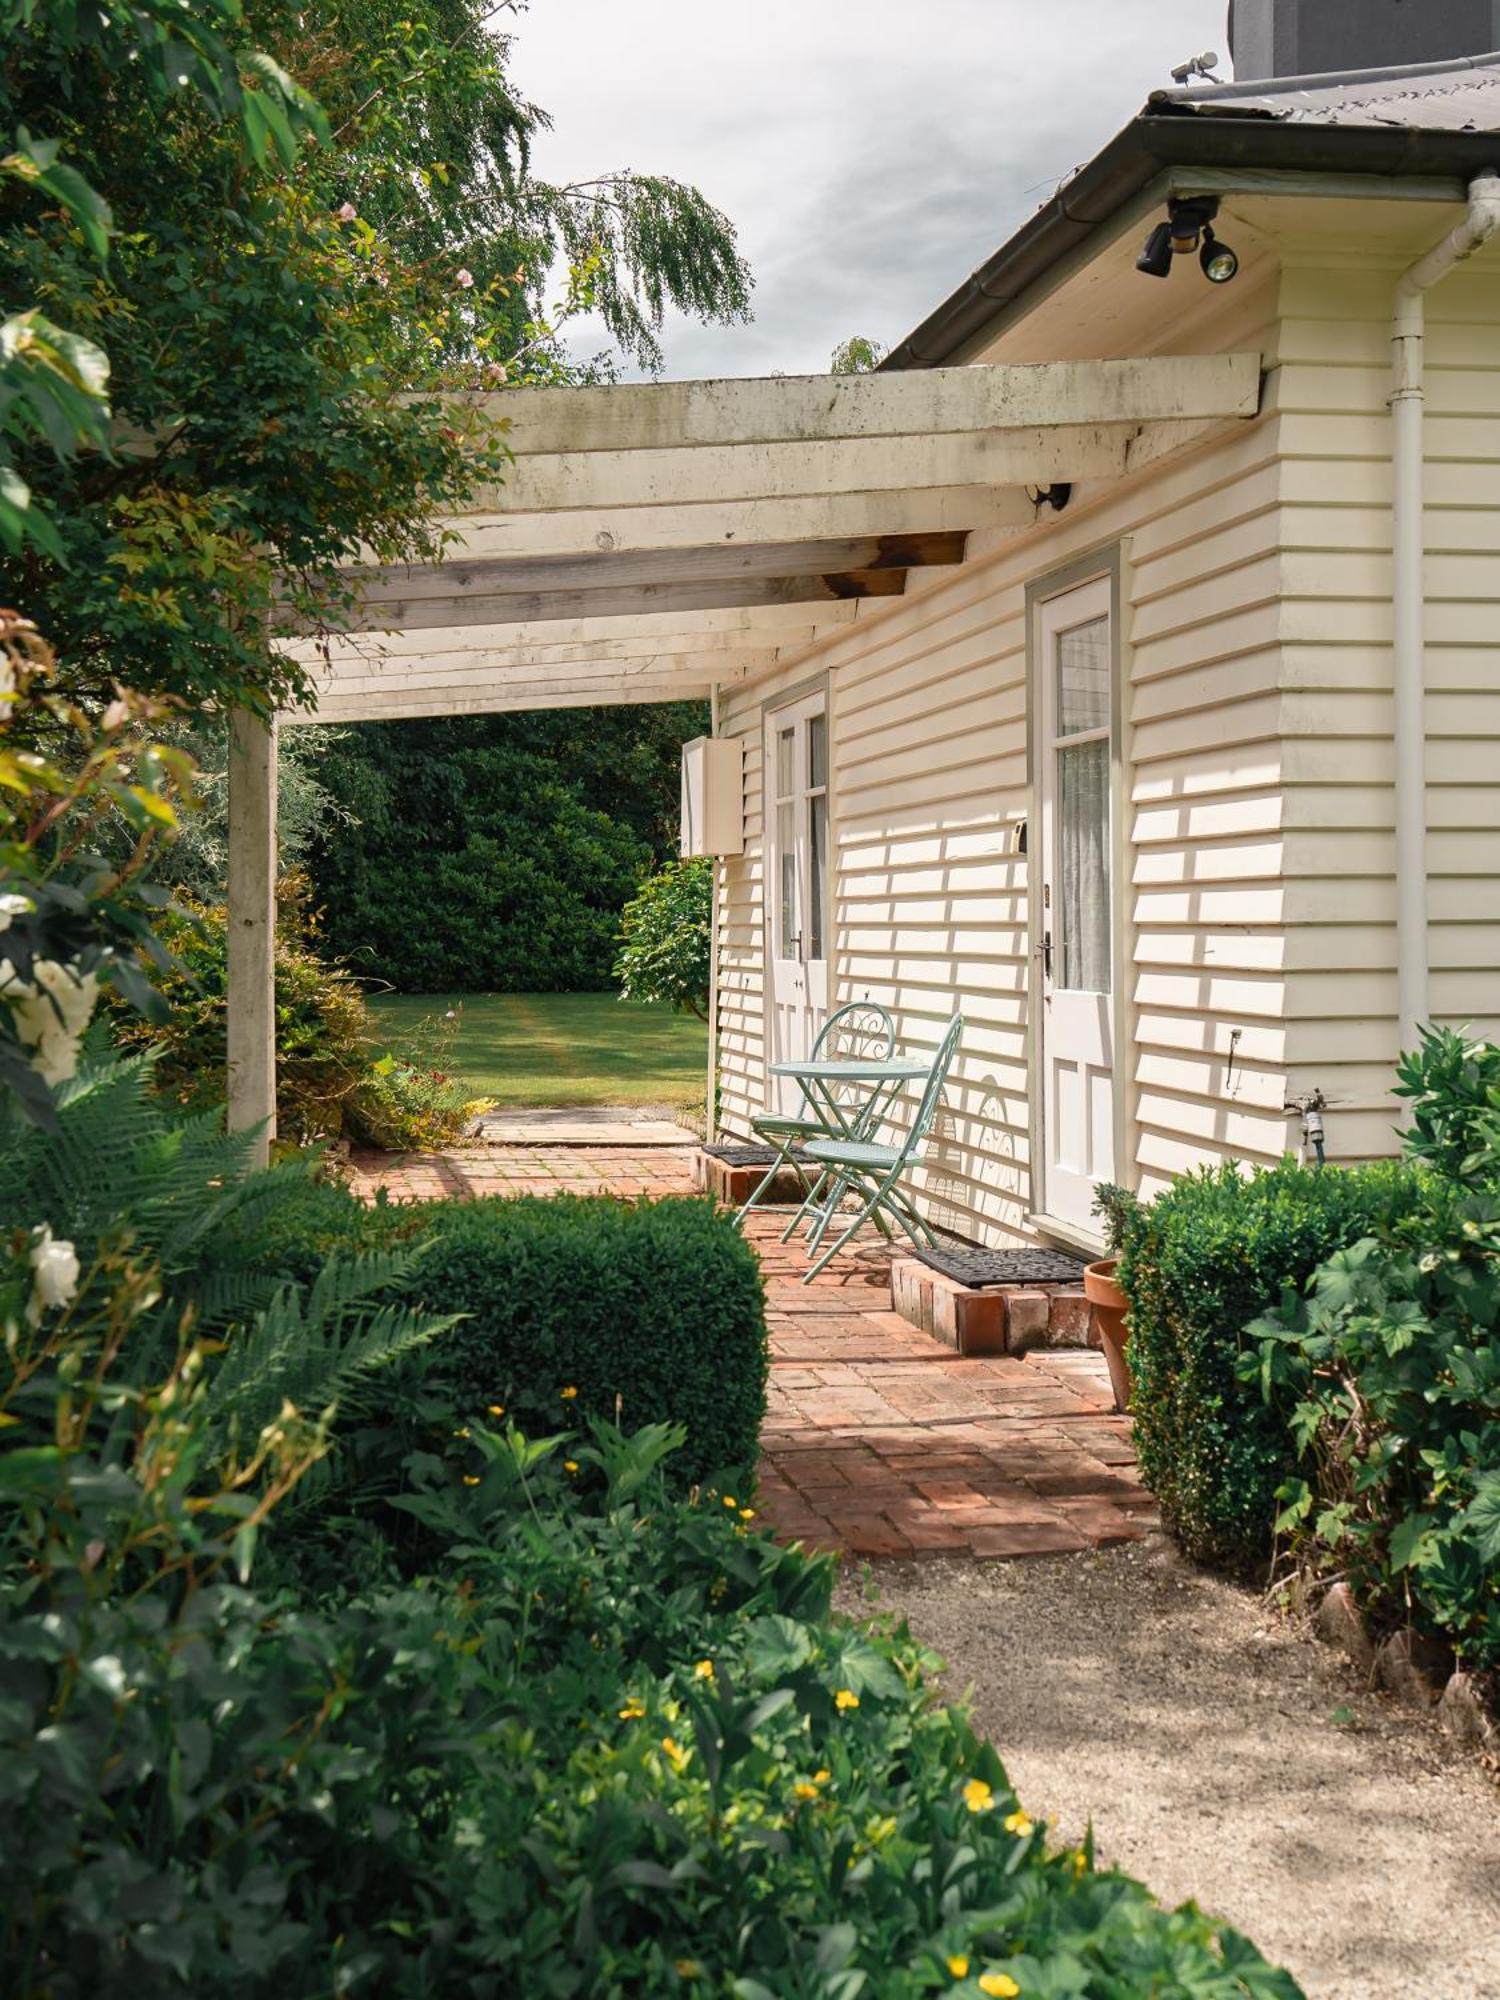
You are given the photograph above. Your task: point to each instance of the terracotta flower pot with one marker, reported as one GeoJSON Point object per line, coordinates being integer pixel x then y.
{"type": "Point", "coordinates": [1110, 1306]}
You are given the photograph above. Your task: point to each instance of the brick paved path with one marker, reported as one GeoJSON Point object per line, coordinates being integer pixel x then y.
{"type": "Point", "coordinates": [878, 1441]}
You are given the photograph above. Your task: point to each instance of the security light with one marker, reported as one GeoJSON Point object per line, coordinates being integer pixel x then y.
{"type": "Point", "coordinates": [1156, 259]}
{"type": "Point", "coordinates": [1219, 262]}
{"type": "Point", "coordinates": [1189, 225]}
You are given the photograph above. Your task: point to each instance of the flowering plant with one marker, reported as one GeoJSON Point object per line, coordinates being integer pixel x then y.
{"type": "Point", "coordinates": [70, 920]}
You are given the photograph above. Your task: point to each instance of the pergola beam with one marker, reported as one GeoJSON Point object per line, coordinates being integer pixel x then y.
{"type": "Point", "coordinates": [508, 576]}
{"type": "Point", "coordinates": [457, 671]}
{"type": "Point", "coordinates": [697, 524]}
{"type": "Point", "coordinates": [918, 404]}
{"type": "Point", "coordinates": [396, 707]}
{"type": "Point", "coordinates": [659, 599]}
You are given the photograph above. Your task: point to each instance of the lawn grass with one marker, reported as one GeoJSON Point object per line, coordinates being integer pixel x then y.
{"type": "Point", "coordinates": [530, 1049]}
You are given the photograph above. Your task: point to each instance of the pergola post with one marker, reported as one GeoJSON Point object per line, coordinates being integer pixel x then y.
{"type": "Point", "coordinates": [252, 929]}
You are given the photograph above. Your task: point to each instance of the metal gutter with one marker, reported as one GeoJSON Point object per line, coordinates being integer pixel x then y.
{"type": "Point", "coordinates": [1153, 144]}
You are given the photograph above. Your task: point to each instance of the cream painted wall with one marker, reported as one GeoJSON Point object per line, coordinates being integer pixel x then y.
{"type": "Point", "coordinates": [1255, 785]}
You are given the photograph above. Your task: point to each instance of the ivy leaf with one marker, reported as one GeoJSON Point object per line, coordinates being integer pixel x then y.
{"type": "Point", "coordinates": [1482, 1516]}
{"type": "Point", "coordinates": [1407, 1539]}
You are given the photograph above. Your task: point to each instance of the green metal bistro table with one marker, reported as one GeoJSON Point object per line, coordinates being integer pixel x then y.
{"type": "Point", "coordinates": [821, 1080]}
{"type": "Point", "coordinates": [867, 1086]}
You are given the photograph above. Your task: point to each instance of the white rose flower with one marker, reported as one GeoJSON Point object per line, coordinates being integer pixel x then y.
{"type": "Point", "coordinates": [54, 1275]}
{"type": "Point", "coordinates": [12, 906]}
{"type": "Point", "coordinates": [49, 1014]}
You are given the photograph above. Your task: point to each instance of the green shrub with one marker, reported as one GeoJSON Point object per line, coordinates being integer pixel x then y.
{"type": "Point", "coordinates": [652, 1312]}
{"type": "Point", "coordinates": [1214, 1251]}
{"type": "Point", "coordinates": [1387, 1377]}
{"type": "Point", "coordinates": [613, 1745]}
{"type": "Point", "coordinates": [331, 1080]}
{"type": "Point", "coordinates": [665, 938]}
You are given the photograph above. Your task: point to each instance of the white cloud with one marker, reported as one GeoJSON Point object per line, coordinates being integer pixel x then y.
{"type": "Point", "coordinates": [870, 156]}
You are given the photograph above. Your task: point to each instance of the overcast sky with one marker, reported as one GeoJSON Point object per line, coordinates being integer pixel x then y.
{"type": "Point", "coordinates": [870, 154]}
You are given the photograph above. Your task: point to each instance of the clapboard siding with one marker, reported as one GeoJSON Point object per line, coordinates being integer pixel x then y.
{"type": "Point", "coordinates": [1334, 346]}
{"type": "Point", "coordinates": [929, 780]}
{"type": "Point", "coordinates": [1257, 767]}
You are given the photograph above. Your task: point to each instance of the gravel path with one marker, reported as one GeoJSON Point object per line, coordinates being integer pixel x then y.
{"type": "Point", "coordinates": [1224, 1757]}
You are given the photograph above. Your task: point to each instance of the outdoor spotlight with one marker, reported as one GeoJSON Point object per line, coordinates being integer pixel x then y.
{"type": "Point", "coordinates": [1219, 262]}
{"type": "Point", "coordinates": [1156, 259]}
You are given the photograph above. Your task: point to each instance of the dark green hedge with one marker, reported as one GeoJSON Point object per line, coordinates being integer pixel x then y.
{"type": "Point", "coordinates": [494, 854]}
{"type": "Point", "coordinates": [1198, 1265]}
{"type": "Point", "coordinates": [653, 1312]}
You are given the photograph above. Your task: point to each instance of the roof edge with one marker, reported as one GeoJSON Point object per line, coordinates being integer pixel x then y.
{"type": "Point", "coordinates": [1333, 79]}
{"type": "Point", "coordinates": [1123, 170]}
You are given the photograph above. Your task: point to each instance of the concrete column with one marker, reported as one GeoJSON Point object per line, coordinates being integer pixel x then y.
{"type": "Point", "coordinates": [252, 929]}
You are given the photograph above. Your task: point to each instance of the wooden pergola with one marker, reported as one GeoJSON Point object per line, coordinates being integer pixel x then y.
{"type": "Point", "coordinates": [655, 542]}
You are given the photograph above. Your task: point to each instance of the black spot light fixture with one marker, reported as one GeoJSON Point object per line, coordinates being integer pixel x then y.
{"type": "Point", "coordinates": [1189, 227]}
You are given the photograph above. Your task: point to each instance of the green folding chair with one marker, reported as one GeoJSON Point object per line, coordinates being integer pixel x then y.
{"type": "Point", "coordinates": [873, 1172]}
{"type": "Point", "coordinates": [858, 1029]}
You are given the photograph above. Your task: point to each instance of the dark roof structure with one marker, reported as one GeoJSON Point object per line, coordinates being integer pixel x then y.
{"type": "Point", "coordinates": [1435, 120]}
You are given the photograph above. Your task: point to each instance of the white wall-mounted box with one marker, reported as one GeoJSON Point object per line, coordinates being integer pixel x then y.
{"type": "Point", "coordinates": [713, 796]}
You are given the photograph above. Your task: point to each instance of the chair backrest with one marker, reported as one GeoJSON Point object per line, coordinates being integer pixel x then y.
{"type": "Point", "coordinates": [858, 1029]}
{"type": "Point", "coordinates": [932, 1090]}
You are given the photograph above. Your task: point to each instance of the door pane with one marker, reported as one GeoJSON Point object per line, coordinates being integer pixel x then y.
{"type": "Point", "coordinates": [785, 767]}
{"type": "Point", "coordinates": [817, 752]}
{"type": "Point", "coordinates": [1083, 678]}
{"type": "Point", "coordinates": [817, 851]}
{"type": "Point", "coordinates": [786, 864]}
{"type": "Point", "coordinates": [1083, 866]}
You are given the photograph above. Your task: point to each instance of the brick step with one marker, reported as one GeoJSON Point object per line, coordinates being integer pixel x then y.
{"type": "Point", "coordinates": [733, 1185]}
{"type": "Point", "coordinates": [997, 1319]}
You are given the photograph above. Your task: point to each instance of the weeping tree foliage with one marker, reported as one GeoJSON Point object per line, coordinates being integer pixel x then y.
{"type": "Point", "coordinates": [301, 212]}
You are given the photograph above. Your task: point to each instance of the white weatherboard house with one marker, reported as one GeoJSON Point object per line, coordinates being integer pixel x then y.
{"type": "Point", "coordinates": [1119, 665]}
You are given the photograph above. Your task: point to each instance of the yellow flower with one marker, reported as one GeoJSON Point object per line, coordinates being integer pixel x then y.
{"type": "Point", "coordinates": [805, 1791]}
{"type": "Point", "coordinates": [687, 1968]}
{"type": "Point", "coordinates": [977, 1796]}
{"type": "Point", "coordinates": [822, 1777]}
{"type": "Point", "coordinates": [471, 1479]}
{"type": "Point", "coordinates": [999, 1985]}
{"type": "Point", "coordinates": [1018, 1824]}
{"type": "Point", "coordinates": [633, 1710]}
{"type": "Point", "coordinates": [1080, 1861]}
{"type": "Point", "coordinates": [704, 1671]}
{"type": "Point", "coordinates": [846, 1698]}
{"type": "Point", "coordinates": [958, 1965]}
{"type": "Point", "coordinates": [747, 1513]}
{"type": "Point", "coordinates": [463, 1433]}
{"type": "Point", "coordinates": [730, 1501]}
{"type": "Point", "coordinates": [497, 1409]}
{"type": "Point", "coordinates": [675, 1752]}
{"type": "Point", "coordinates": [570, 1465]}
{"type": "Point", "coordinates": [568, 1395]}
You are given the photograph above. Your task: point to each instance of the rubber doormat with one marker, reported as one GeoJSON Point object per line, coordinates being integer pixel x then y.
{"type": "Point", "coordinates": [978, 1268]}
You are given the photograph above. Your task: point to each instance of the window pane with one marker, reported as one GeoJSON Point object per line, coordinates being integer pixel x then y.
{"type": "Point", "coordinates": [785, 739]}
{"type": "Point", "coordinates": [817, 852]}
{"type": "Point", "coordinates": [1083, 678]}
{"type": "Point", "coordinates": [1083, 866]}
{"type": "Point", "coordinates": [786, 865]}
{"type": "Point", "coordinates": [817, 751]}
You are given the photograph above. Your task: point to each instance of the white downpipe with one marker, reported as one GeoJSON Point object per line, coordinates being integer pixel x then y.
{"type": "Point", "coordinates": [711, 1122]}
{"type": "Point", "coordinates": [1408, 405]}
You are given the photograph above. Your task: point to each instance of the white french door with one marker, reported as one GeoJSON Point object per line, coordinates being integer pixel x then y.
{"type": "Point", "coordinates": [796, 884]}
{"type": "Point", "coordinates": [1075, 856]}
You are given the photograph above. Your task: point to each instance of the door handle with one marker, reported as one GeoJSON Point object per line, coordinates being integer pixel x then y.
{"type": "Point", "coordinates": [1044, 952]}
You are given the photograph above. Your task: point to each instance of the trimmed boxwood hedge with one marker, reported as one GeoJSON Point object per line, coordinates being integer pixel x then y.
{"type": "Point", "coordinates": [1211, 1254]}
{"type": "Point", "coordinates": [652, 1312]}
